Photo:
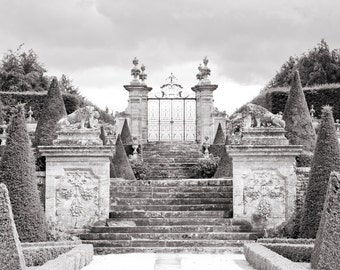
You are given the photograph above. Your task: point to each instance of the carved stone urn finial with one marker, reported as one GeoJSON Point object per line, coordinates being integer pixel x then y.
{"type": "Point", "coordinates": [204, 72]}
{"type": "Point", "coordinates": [30, 114]}
{"type": "Point", "coordinates": [143, 75]}
{"type": "Point", "coordinates": [135, 72]}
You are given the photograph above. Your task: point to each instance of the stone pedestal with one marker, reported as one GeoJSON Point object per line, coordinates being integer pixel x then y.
{"type": "Point", "coordinates": [264, 178]}
{"type": "Point", "coordinates": [77, 179]}
{"type": "Point", "coordinates": [137, 111]}
{"type": "Point", "coordinates": [204, 111]}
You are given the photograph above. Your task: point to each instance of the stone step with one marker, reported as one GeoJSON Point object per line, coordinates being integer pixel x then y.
{"type": "Point", "coordinates": [169, 201]}
{"type": "Point", "coordinates": [171, 189]}
{"type": "Point", "coordinates": [169, 221]}
{"type": "Point", "coordinates": [172, 182]}
{"type": "Point", "coordinates": [166, 243]}
{"type": "Point", "coordinates": [172, 165]}
{"type": "Point", "coordinates": [188, 207]}
{"type": "Point", "coordinates": [168, 214]}
{"type": "Point", "coordinates": [166, 229]}
{"type": "Point", "coordinates": [193, 250]}
{"type": "Point", "coordinates": [170, 160]}
{"type": "Point", "coordinates": [170, 236]}
{"type": "Point", "coordinates": [151, 194]}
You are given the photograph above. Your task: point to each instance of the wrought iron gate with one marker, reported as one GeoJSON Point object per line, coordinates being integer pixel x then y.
{"type": "Point", "coordinates": [171, 115]}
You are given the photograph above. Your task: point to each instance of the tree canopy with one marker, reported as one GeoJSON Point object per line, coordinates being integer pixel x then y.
{"type": "Point", "coordinates": [317, 66]}
{"type": "Point", "coordinates": [21, 71]}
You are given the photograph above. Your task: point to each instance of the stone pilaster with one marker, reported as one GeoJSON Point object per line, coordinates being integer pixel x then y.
{"type": "Point", "coordinates": [204, 110]}
{"type": "Point", "coordinates": [137, 111]}
{"type": "Point", "coordinates": [264, 178]}
{"type": "Point", "coordinates": [77, 185]}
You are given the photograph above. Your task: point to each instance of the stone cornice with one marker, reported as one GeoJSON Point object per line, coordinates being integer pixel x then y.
{"type": "Point", "coordinates": [198, 88]}
{"type": "Point", "coordinates": [263, 150]}
{"type": "Point", "coordinates": [76, 151]}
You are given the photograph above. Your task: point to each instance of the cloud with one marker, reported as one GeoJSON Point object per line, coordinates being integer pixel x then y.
{"type": "Point", "coordinates": [94, 41]}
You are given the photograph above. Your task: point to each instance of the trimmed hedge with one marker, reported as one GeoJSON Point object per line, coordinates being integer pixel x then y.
{"type": "Point", "coordinates": [121, 163]}
{"type": "Point", "coordinates": [299, 127]}
{"type": "Point", "coordinates": [326, 159]}
{"type": "Point", "coordinates": [261, 258]}
{"type": "Point", "coordinates": [126, 134]}
{"type": "Point", "coordinates": [293, 252]}
{"type": "Point", "coordinates": [35, 256]}
{"type": "Point", "coordinates": [53, 111]}
{"type": "Point", "coordinates": [17, 171]}
{"type": "Point", "coordinates": [74, 259]}
{"type": "Point", "coordinates": [36, 101]}
{"type": "Point", "coordinates": [326, 252]}
{"type": "Point", "coordinates": [219, 137]}
{"type": "Point", "coordinates": [300, 241]}
{"type": "Point", "coordinates": [275, 99]}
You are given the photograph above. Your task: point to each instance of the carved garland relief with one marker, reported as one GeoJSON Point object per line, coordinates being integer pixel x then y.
{"type": "Point", "coordinates": [264, 191]}
{"type": "Point", "coordinates": [77, 193]}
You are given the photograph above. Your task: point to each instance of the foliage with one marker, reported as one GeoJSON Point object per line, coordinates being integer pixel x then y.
{"type": "Point", "coordinates": [206, 167]}
{"type": "Point", "coordinates": [20, 71]}
{"type": "Point", "coordinates": [328, 238]}
{"type": "Point", "coordinates": [103, 135]}
{"type": "Point", "coordinates": [67, 86]}
{"type": "Point", "coordinates": [36, 256]}
{"type": "Point", "coordinates": [225, 165]}
{"type": "Point", "coordinates": [139, 168]}
{"type": "Point", "coordinates": [318, 66]}
{"type": "Point", "coordinates": [317, 96]}
{"type": "Point", "coordinates": [219, 137]}
{"type": "Point", "coordinates": [304, 159]}
{"type": "Point", "coordinates": [293, 252]}
{"type": "Point", "coordinates": [121, 163]}
{"type": "Point", "coordinates": [18, 173]}
{"type": "Point", "coordinates": [126, 134]}
{"type": "Point", "coordinates": [53, 111]}
{"type": "Point", "coordinates": [57, 232]}
{"type": "Point", "coordinates": [299, 125]}
{"type": "Point", "coordinates": [326, 159]}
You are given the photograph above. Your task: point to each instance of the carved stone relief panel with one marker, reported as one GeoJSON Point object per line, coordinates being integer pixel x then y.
{"type": "Point", "coordinates": [264, 193]}
{"type": "Point", "coordinates": [77, 196]}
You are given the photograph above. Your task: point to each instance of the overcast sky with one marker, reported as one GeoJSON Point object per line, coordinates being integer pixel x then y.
{"type": "Point", "coordinates": [93, 42]}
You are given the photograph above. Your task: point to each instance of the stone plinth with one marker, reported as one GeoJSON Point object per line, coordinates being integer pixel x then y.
{"type": "Point", "coordinates": [77, 183]}
{"type": "Point", "coordinates": [137, 111]}
{"type": "Point", "coordinates": [74, 137]}
{"type": "Point", "coordinates": [204, 111]}
{"type": "Point", "coordinates": [264, 178]}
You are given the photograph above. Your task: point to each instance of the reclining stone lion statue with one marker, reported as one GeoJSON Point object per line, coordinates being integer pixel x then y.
{"type": "Point", "coordinates": [85, 117]}
{"type": "Point", "coordinates": [252, 115]}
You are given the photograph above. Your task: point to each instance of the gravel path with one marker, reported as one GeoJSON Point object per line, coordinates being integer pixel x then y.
{"type": "Point", "coordinates": [152, 261]}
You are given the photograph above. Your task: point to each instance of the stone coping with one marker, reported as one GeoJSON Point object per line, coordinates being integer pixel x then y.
{"type": "Point", "coordinates": [261, 257]}
{"type": "Point", "coordinates": [263, 150]}
{"type": "Point", "coordinates": [75, 259]}
{"type": "Point", "coordinates": [93, 151]}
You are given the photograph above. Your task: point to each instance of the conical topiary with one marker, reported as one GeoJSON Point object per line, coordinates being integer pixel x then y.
{"type": "Point", "coordinates": [1, 113]}
{"type": "Point", "coordinates": [53, 111]}
{"type": "Point", "coordinates": [121, 163]}
{"type": "Point", "coordinates": [328, 238]}
{"type": "Point", "coordinates": [326, 159]}
{"type": "Point", "coordinates": [299, 126]}
{"type": "Point", "coordinates": [126, 134]}
{"type": "Point", "coordinates": [103, 135]}
{"type": "Point", "coordinates": [225, 165]}
{"type": "Point", "coordinates": [17, 172]}
{"type": "Point", "coordinates": [219, 137]}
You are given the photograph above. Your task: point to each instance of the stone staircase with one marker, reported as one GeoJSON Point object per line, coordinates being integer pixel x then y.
{"type": "Point", "coordinates": [171, 160]}
{"type": "Point", "coordinates": [170, 216]}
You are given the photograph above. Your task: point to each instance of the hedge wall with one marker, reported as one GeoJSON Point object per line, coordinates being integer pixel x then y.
{"type": "Point", "coordinates": [36, 101]}
{"type": "Point", "coordinates": [275, 100]}
{"type": "Point", "coordinates": [293, 252]}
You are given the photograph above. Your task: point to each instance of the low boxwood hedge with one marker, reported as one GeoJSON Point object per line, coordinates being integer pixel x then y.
{"type": "Point", "coordinates": [293, 252]}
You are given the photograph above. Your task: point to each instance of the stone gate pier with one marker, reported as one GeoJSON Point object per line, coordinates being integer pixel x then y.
{"type": "Point", "coordinates": [77, 177]}
{"type": "Point", "coordinates": [264, 178]}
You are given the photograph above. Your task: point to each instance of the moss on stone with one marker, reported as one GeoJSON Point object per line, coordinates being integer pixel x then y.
{"type": "Point", "coordinates": [18, 173]}
{"type": "Point", "coordinates": [299, 126]}
{"type": "Point", "coordinates": [53, 111]}
{"type": "Point", "coordinates": [326, 159]}
{"type": "Point", "coordinates": [121, 163]}
{"type": "Point", "coordinates": [327, 241]}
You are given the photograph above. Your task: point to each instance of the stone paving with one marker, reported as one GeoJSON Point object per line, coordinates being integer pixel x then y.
{"type": "Point", "coordinates": [154, 261]}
